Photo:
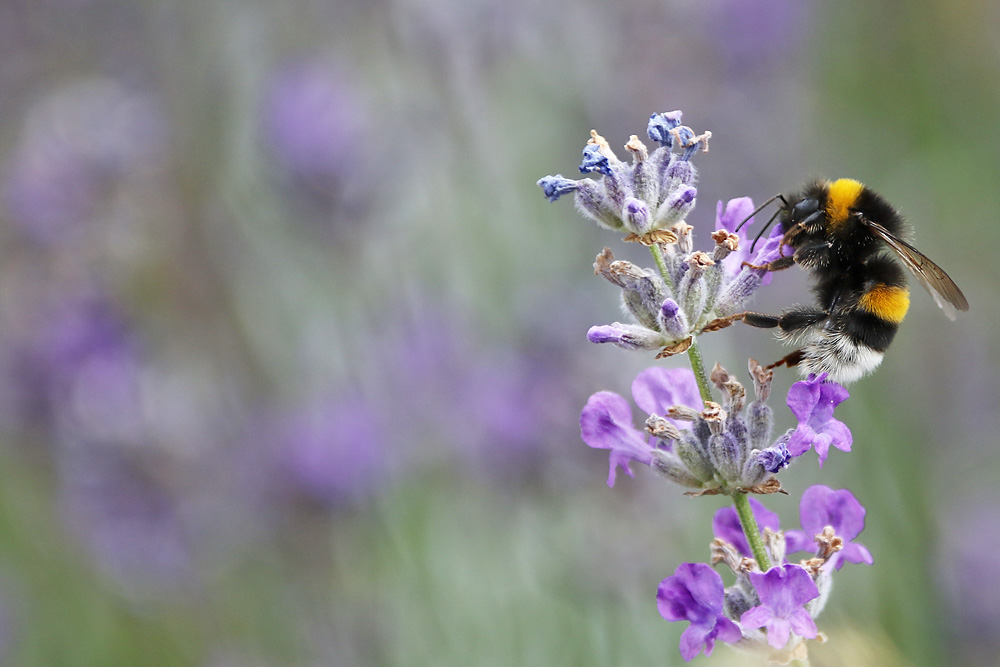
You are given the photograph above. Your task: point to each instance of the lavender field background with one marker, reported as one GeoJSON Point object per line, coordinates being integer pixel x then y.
{"type": "Point", "coordinates": [293, 349]}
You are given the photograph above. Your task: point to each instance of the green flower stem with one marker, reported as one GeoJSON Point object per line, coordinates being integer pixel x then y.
{"type": "Point", "coordinates": [750, 529]}
{"type": "Point", "coordinates": [661, 264]}
{"type": "Point", "coordinates": [698, 365]}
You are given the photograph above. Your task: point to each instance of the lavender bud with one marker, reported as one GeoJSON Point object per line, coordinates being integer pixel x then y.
{"type": "Point", "coordinates": [670, 466]}
{"type": "Point", "coordinates": [737, 428]}
{"type": "Point", "coordinates": [644, 181]}
{"type": "Point", "coordinates": [635, 214]}
{"type": "Point", "coordinates": [714, 416]}
{"type": "Point", "coordinates": [760, 422]}
{"type": "Point", "coordinates": [626, 336]}
{"type": "Point", "coordinates": [678, 174]}
{"type": "Point", "coordinates": [598, 156]}
{"type": "Point", "coordinates": [676, 206]}
{"type": "Point", "coordinates": [592, 203]}
{"type": "Point", "coordinates": [556, 186]}
{"type": "Point", "coordinates": [692, 291]}
{"type": "Point", "coordinates": [642, 290]}
{"type": "Point", "coordinates": [695, 456]}
{"type": "Point", "coordinates": [761, 380]}
{"type": "Point", "coordinates": [659, 127]}
{"type": "Point", "coordinates": [775, 543]}
{"type": "Point", "coordinates": [724, 454]}
{"type": "Point", "coordinates": [736, 602]}
{"type": "Point", "coordinates": [737, 293]}
{"type": "Point", "coordinates": [658, 427]}
{"type": "Point", "coordinates": [774, 458]}
{"type": "Point", "coordinates": [753, 473]}
{"type": "Point", "coordinates": [672, 320]}
{"type": "Point", "coordinates": [595, 160]}
{"type": "Point", "coordinates": [685, 244]}
{"type": "Point", "coordinates": [725, 244]}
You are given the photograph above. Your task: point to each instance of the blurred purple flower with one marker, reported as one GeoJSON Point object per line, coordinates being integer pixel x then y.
{"type": "Point", "coordinates": [334, 452]}
{"type": "Point", "coordinates": [119, 507]}
{"type": "Point", "coordinates": [78, 370]}
{"type": "Point", "coordinates": [695, 593]}
{"type": "Point", "coordinates": [820, 507]}
{"type": "Point", "coordinates": [314, 123]}
{"type": "Point", "coordinates": [812, 401]}
{"type": "Point", "coordinates": [756, 34]}
{"type": "Point", "coordinates": [726, 525]}
{"type": "Point", "coordinates": [77, 144]}
{"type": "Point", "coordinates": [783, 590]}
{"type": "Point", "coordinates": [968, 544]}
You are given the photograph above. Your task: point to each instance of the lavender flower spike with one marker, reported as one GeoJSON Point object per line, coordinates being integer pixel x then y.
{"type": "Point", "coordinates": [783, 590]}
{"type": "Point", "coordinates": [812, 402]}
{"type": "Point", "coordinates": [651, 193]}
{"type": "Point", "coordinates": [695, 593]}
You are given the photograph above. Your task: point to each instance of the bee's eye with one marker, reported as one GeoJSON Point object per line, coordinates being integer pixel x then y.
{"type": "Point", "coordinates": [804, 208]}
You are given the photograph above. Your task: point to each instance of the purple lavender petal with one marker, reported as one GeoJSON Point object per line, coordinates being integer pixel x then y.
{"type": "Point", "coordinates": [782, 590]}
{"type": "Point", "coordinates": [812, 401]}
{"type": "Point", "coordinates": [695, 593]}
{"type": "Point", "coordinates": [606, 423]}
{"type": "Point", "coordinates": [656, 389]}
{"type": "Point", "coordinates": [803, 624]}
{"type": "Point", "coordinates": [735, 211]}
{"type": "Point", "coordinates": [822, 506]}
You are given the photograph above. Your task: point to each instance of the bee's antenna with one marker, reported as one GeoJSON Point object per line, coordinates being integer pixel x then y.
{"type": "Point", "coordinates": [761, 208]}
{"type": "Point", "coordinates": [764, 228]}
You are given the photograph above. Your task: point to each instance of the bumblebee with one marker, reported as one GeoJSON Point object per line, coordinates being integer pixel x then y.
{"type": "Point", "coordinates": [848, 238]}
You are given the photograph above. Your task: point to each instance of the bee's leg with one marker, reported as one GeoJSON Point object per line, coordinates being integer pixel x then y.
{"type": "Point", "coordinates": [779, 264]}
{"type": "Point", "coordinates": [810, 254]}
{"type": "Point", "coordinates": [788, 361]}
{"type": "Point", "coordinates": [796, 319]}
{"type": "Point", "coordinates": [789, 321]}
{"type": "Point", "coordinates": [759, 320]}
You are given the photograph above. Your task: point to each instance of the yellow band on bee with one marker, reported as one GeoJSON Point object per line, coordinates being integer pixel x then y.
{"type": "Point", "coordinates": [841, 196]}
{"type": "Point", "coordinates": [886, 302]}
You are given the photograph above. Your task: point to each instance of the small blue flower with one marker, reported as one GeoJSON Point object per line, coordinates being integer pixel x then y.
{"type": "Point", "coordinates": [556, 186]}
{"type": "Point", "coordinates": [775, 457]}
{"type": "Point", "coordinates": [594, 160]}
{"type": "Point", "coordinates": [659, 127]}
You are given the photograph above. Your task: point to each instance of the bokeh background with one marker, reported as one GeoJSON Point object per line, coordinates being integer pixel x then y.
{"type": "Point", "coordinates": [292, 348]}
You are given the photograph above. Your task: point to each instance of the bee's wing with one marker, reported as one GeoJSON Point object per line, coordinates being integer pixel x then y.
{"type": "Point", "coordinates": [946, 293]}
